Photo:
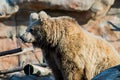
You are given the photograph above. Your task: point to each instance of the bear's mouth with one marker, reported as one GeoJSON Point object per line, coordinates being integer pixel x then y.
{"type": "Point", "coordinates": [22, 39]}
{"type": "Point", "coordinates": [26, 38]}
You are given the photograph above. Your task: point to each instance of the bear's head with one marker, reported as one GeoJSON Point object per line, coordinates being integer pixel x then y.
{"type": "Point", "coordinates": [36, 31]}
{"type": "Point", "coordinates": [46, 30]}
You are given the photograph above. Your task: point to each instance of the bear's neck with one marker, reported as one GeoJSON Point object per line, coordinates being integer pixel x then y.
{"type": "Point", "coordinates": [56, 35]}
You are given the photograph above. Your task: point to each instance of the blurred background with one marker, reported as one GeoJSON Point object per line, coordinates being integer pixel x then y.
{"type": "Point", "coordinates": [92, 15]}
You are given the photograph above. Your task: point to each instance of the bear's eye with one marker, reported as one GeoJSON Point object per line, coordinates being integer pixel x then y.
{"type": "Point", "coordinates": [31, 30]}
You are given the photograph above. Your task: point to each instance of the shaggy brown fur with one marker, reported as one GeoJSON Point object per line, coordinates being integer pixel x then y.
{"type": "Point", "coordinates": [71, 52]}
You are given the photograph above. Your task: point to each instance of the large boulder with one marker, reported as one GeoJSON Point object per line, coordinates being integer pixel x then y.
{"type": "Point", "coordinates": [98, 8]}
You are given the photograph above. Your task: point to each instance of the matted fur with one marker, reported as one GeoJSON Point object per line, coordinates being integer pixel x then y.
{"type": "Point", "coordinates": [71, 52]}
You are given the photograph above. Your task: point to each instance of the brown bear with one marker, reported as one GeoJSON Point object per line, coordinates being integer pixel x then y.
{"type": "Point", "coordinates": [71, 52]}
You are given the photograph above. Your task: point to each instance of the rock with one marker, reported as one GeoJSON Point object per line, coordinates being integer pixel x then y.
{"type": "Point", "coordinates": [9, 41]}
{"type": "Point", "coordinates": [87, 8]}
{"type": "Point", "coordinates": [115, 9]}
{"type": "Point", "coordinates": [70, 5]}
{"type": "Point", "coordinates": [7, 8]}
{"type": "Point", "coordinates": [102, 28]}
{"type": "Point", "coordinates": [31, 77]}
{"type": "Point", "coordinates": [100, 8]}
{"type": "Point", "coordinates": [112, 73]}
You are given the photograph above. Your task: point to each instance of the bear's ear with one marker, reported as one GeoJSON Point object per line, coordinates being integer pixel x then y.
{"type": "Point", "coordinates": [33, 16]}
{"type": "Point", "coordinates": [43, 15]}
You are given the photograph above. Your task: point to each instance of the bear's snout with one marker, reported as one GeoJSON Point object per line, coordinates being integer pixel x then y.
{"type": "Point", "coordinates": [27, 37]}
